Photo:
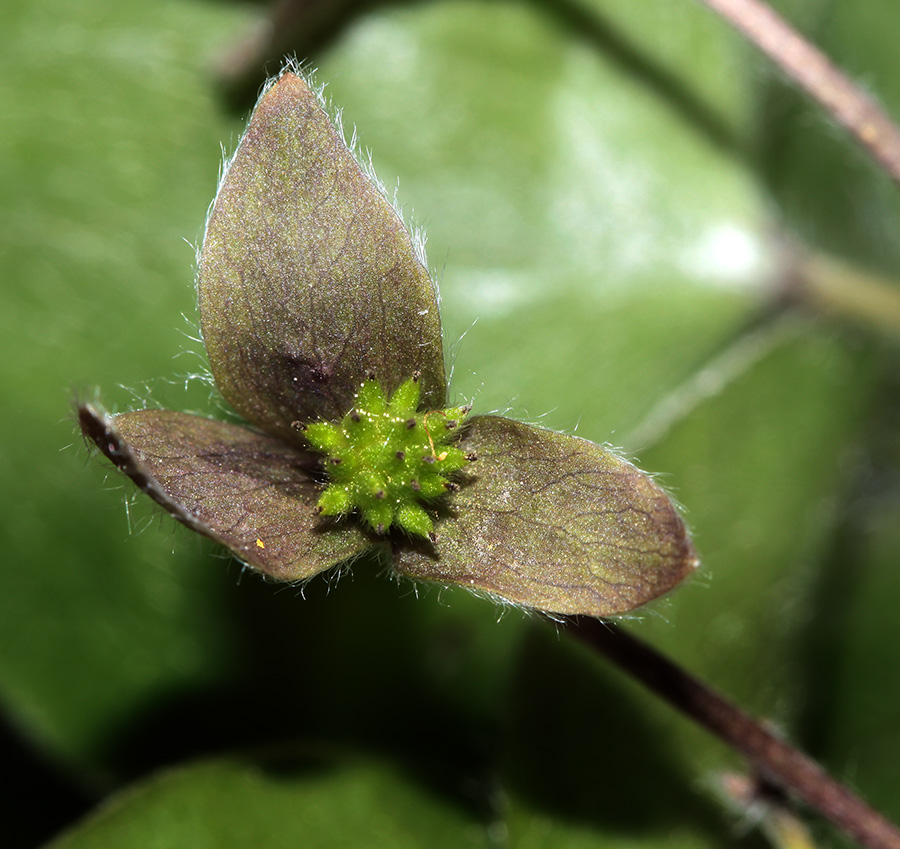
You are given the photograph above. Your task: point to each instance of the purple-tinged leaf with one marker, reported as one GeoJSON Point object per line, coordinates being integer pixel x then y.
{"type": "Point", "coordinates": [309, 280]}
{"type": "Point", "coordinates": [246, 490]}
{"type": "Point", "coordinates": [556, 523]}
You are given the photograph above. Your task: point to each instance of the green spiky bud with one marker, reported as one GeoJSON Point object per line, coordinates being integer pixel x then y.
{"type": "Point", "coordinates": [385, 459]}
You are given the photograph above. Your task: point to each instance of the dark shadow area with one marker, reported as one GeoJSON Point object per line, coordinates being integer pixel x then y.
{"type": "Point", "coordinates": [37, 800]}
{"type": "Point", "coordinates": [293, 28]}
{"type": "Point", "coordinates": [873, 483]}
{"type": "Point", "coordinates": [353, 670]}
{"type": "Point", "coordinates": [581, 748]}
{"type": "Point", "coordinates": [342, 670]}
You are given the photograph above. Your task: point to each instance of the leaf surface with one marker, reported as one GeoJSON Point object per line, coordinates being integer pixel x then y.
{"type": "Point", "coordinates": [554, 522]}
{"type": "Point", "coordinates": [246, 490]}
{"type": "Point", "coordinates": [309, 280]}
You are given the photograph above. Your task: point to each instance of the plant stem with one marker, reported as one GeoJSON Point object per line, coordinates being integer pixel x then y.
{"type": "Point", "coordinates": [837, 288]}
{"type": "Point", "coordinates": [771, 756]}
{"type": "Point", "coordinates": [813, 71]}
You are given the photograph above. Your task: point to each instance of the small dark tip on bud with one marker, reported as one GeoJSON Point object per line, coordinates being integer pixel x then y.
{"type": "Point", "coordinates": [432, 536]}
{"type": "Point", "coordinates": [451, 487]}
{"type": "Point", "coordinates": [354, 416]}
{"type": "Point", "coordinates": [370, 375]}
{"type": "Point", "coordinates": [414, 485]}
{"type": "Point", "coordinates": [429, 458]}
{"type": "Point", "coordinates": [379, 528]}
{"type": "Point", "coordinates": [451, 424]}
{"type": "Point", "coordinates": [467, 409]}
{"type": "Point", "coordinates": [416, 375]}
{"type": "Point", "coordinates": [401, 455]}
{"type": "Point", "coordinates": [335, 461]}
{"type": "Point", "coordinates": [410, 424]}
{"type": "Point", "coordinates": [471, 456]}
{"type": "Point", "coordinates": [317, 510]}
{"type": "Point", "coordinates": [301, 426]}
{"type": "Point", "coordinates": [379, 494]}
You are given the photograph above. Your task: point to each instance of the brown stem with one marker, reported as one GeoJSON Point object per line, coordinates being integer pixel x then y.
{"type": "Point", "coordinates": [813, 71]}
{"type": "Point", "coordinates": [770, 755]}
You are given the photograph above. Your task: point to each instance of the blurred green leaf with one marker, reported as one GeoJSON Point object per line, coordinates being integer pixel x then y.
{"type": "Point", "coordinates": [828, 191]}
{"type": "Point", "coordinates": [852, 713]}
{"type": "Point", "coordinates": [600, 182]}
{"type": "Point", "coordinates": [314, 804]}
{"type": "Point", "coordinates": [107, 167]}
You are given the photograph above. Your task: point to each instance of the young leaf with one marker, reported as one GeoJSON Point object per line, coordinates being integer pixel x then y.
{"type": "Point", "coordinates": [554, 522]}
{"type": "Point", "coordinates": [248, 491]}
{"type": "Point", "coordinates": [309, 281]}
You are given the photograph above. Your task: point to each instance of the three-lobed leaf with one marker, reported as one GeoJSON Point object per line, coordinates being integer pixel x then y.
{"type": "Point", "coordinates": [311, 290]}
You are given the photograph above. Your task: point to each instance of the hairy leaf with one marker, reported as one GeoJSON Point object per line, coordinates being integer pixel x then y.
{"type": "Point", "coordinates": [243, 489]}
{"type": "Point", "coordinates": [309, 280]}
{"type": "Point", "coordinates": [554, 522]}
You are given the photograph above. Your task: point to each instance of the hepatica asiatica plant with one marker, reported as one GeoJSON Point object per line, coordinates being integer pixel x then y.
{"type": "Point", "coordinates": [322, 328]}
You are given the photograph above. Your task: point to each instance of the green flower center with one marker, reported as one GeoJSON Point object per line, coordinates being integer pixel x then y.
{"type": "Point", "coordinates": [385, 460]}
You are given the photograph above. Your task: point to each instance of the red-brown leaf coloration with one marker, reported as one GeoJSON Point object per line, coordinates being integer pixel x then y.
{"type": "Point", "coordinates": [557, 523]}
{"type": "Point", "coordinates": [309, 281]}
{"type": "Point", "coordinates": [310, 285]}
{"type": "Point", "coordinates": [252, 493]}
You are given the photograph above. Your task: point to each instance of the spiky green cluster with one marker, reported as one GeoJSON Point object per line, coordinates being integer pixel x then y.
{"type": "Point", "coordinates": [385, 459]}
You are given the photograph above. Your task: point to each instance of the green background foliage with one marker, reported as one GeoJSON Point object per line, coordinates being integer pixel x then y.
{"type": "Point", "coordinates": [607, 187]}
